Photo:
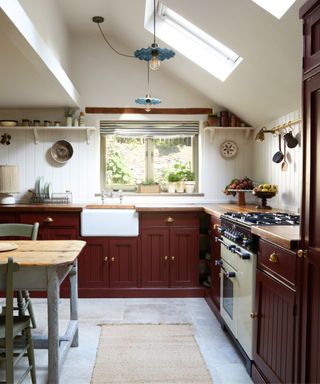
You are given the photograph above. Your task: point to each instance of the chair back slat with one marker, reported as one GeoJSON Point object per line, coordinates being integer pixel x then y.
{"type": "Point", "coordinates": [19, 230]}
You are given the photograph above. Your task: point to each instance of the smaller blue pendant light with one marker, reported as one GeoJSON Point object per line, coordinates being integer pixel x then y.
{"type": "Point", "coordinates": [154, 54]}
{"type": "Point", "coordinates": [148, 101]}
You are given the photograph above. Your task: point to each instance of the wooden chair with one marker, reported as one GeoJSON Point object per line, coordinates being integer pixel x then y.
{"type": "Point", "coordinates": [15, 332]}
{"type": "Point", "coordinates": [29, 231]}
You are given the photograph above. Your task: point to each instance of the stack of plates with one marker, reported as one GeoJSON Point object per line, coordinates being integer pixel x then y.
{"type": "Point", "coordinates": [43, 188]}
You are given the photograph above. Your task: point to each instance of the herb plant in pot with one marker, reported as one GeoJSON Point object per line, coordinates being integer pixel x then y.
{"type": "Point", "coordinates": [189, 181]}
{"type": "Point", "coordinates": [173, 179]}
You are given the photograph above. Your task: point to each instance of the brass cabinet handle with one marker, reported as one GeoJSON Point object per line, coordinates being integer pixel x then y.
{"type": "Point", "coordinates": [253, 315]}
{"type": "Point", "coordinates": [172, 258]}
{"type": "Point", "coordinates": [302, 253]}
{"type": "Point", "coordinates": [106, 258]}
{"type": "Point", "coordinates": [274, 258]}
{"type": "Point", "coordinates": [48, 220]}
{"type": "Point", "coordinates": [169, 220]}
{"type": "Point", "coordinates": [166, 257]}
{"type": "Point", "coordinates": [112, 259]}
{"type": "Point", "coordinates": [216, 226]}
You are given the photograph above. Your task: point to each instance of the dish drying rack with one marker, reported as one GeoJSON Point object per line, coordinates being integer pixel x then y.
{"type": "Point", "coordinates": [55, 198]}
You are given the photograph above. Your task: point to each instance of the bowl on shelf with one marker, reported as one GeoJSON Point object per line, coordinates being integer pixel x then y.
{"type": "Point", "coordinates": [263, 196]}
{"type": "Point", "coordinates": [8, 123]}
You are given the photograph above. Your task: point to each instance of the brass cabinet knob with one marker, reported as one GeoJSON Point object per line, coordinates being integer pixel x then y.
{"type": "Point", "coordinates": [48, 220]}
{"type": "Point", "coordinates": [274, 258]}
{"type": "Point", "coordinates": [112, 259]}
{"type": "Point", "coordinates": [216, 226]}
{"type": "Point", "coordinates": [169, 220]}
{"type": "Point", "coordinates": [172, 258]}
{"type": "Point", "coordinates": [253, 315]}
{"type": "Point", "coordinates": [106, 258]}
{"type": "Point", "coordinates": [166, 257]}
{"type": "Point", "coordinates": [302, 253]}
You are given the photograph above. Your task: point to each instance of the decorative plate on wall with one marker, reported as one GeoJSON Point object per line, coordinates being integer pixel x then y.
{"type": "Point", "coordinates": [228, 149]}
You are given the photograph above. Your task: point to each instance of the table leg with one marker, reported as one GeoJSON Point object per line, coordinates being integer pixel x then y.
{"type": "Point", "coordinates": [53, 325]}
{"type": "Point", "coordinates": [73, 276]}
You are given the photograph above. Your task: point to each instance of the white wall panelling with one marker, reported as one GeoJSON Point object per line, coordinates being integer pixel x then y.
{"type": "Point", "coordinates": [265, 170]}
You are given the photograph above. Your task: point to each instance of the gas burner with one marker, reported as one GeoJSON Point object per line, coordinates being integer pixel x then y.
{"type": "Point", "coordinates": [263, 218]}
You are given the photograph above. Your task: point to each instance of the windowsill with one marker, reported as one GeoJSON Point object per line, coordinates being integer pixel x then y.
{"type": "Point", "coordinates": [163, 194]}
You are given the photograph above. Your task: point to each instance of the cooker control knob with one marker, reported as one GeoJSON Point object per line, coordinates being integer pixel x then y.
{"type": "Point", "coordinates": [221, 230]}
{"type": "Point", "coordinates": [246, 242]}
{"type": "Point", "coordinates": [238, 236]}
{"type": "Point", "coordinates": [230, 274]}
{"type": "Point", "coordinates": [218, 263]}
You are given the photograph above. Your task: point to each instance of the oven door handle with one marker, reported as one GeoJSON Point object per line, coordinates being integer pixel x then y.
{"type": "Point", "coordinates": [229, 275]}
{"type": "Point", "coordinates": [243, 255]}
{"type": "Point", "coordinates": [229, 247]}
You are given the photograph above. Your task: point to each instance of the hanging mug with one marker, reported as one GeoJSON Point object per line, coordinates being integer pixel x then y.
{"type": "Point", "coordinates": [290, 140]}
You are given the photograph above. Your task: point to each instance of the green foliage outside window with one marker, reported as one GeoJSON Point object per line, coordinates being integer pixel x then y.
{"type": "Point", "coordinates": [120, 172]}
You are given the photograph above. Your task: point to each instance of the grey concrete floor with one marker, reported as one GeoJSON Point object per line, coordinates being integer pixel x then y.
{"type": "Point", "coordinates": [221, 358]}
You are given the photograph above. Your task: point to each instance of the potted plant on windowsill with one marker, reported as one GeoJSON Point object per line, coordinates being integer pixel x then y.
{"type": "Point", "coordinates": [149, 186]}
{"type": "Point", "coordinates": [174, 181]}
{"type": "Point", "coordinates": [189, 181]}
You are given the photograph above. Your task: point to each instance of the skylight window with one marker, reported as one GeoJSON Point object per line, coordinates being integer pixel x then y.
{"type": "Point", "coordinates": [277, 8]}
{"type": "Point", "coordinates": [193, 43]}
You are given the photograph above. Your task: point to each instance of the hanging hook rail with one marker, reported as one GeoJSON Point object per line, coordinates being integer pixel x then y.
{"type": "Point", "coordinates": [280, 127]}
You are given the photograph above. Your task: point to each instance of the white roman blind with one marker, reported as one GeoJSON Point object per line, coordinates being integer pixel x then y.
{"type": "Point", "coordinates": [149, 128]}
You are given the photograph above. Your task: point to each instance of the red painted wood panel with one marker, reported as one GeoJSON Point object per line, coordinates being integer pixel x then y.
{"type": "Point", "coordinates": [184, 257]}
{"type": "Point", "coordinates": [93, 265]}
{"type": "Point", "coordinates": [155, 253]}
{"type": "Point", "coordinates": [274, 329]}
{"type": "Point", "coordinates": [312, 39]}
{"type": "Point", "coordinates": [123, 263]}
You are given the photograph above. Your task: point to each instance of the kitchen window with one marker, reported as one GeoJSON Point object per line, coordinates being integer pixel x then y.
{"type": "Point", "coordinates": [133, 152]}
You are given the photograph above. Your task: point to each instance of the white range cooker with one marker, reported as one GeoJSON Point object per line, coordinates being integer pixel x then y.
{"type": "Point", "coordinates": [238, 272]}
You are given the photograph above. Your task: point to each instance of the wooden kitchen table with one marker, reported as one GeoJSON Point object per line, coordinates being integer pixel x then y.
{"type": "Point", "coordinates": [43, 266]}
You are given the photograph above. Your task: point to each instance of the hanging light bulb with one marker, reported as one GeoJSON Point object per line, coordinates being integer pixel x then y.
{"type": "Point", "coordinates": [147, 107]}
{"type": "Point", "coordinates": [154, 54]}
{"type": "Point", "coordinates": [154, 62]}
{"type": "Point", "coordinates": [148, 101]}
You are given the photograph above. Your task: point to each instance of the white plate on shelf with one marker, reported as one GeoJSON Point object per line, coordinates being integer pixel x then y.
{"type": "Point", "coordinates": [49, 190]}
{"type": "Point", "coordinates": [36, 185]}
{"type": "Point", "coordinates": [45, 189]}
{"type": "Point", "coordinates": [41, 185]}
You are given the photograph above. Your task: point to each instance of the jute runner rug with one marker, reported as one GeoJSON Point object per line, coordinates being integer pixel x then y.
{"type": "Point", "coordinates": [149, 353]}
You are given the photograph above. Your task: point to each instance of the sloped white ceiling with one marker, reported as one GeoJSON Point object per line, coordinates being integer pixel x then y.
{"type": "Point", "coordinates": [265, 85]}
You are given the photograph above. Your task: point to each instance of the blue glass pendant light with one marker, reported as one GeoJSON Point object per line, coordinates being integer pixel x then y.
{"type": "Point", "coordinates": [148, 101]}
{"type": "Point", "coordinates": [154, 54]}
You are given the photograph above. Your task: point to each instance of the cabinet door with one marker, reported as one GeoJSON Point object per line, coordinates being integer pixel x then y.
{"type": "Point", "coordinates": [155, 257]}
{"type": "Point", "coordinates": [93, 263]}
{"type": "Point", "coordinates": [123, 263]}
{"type": "Point", "coordinates": [215, 255]}
{"type": "Point", "coordinates": [311, 32]}
{"type": "Point", "coordinates": [274, 329]}
{"type": "Point", "coordinates": [184, 257]}
{"type": "Point", "coordinates": [310, 230]}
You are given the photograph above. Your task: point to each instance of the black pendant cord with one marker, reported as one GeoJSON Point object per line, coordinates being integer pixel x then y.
{"type": "Point", "coordinates": [154, 22]}
{"type": "Point", "coordinates": [106, 40]}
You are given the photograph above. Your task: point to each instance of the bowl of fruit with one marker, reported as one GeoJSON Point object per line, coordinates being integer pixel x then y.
{"type": "Point", "coordinates": [239, 186]}
{"type": "Point", "coordinates": [264, 192]}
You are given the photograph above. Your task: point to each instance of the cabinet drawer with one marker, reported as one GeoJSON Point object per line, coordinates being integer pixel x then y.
{"type": "Point", "coordinates": [281, 262]}
{"type": "Point", "coordinates": [169, 219]}
{"type": "Point", "coordinates": [51, 219]}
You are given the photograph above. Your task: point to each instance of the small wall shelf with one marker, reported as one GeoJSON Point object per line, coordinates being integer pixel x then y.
{"type": "Point", "coordinates": [212, 130]}
{"type": "Point", "coordinates": [88, 130]}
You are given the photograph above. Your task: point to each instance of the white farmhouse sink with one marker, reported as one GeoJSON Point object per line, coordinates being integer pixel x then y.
{"type": "Point", "coordinates": [109, 222]}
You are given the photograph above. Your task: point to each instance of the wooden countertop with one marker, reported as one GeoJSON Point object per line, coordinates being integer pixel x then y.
{"type": "Point", "coordinates": [287, 236]}
{"type": "Point", "coordinates": [42, 207]}
{"type": "Point", "coordinates": [44, 253]}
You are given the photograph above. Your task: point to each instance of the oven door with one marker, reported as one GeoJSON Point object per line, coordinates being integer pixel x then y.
{"type": "Point", "coordinates": [229, 293]}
